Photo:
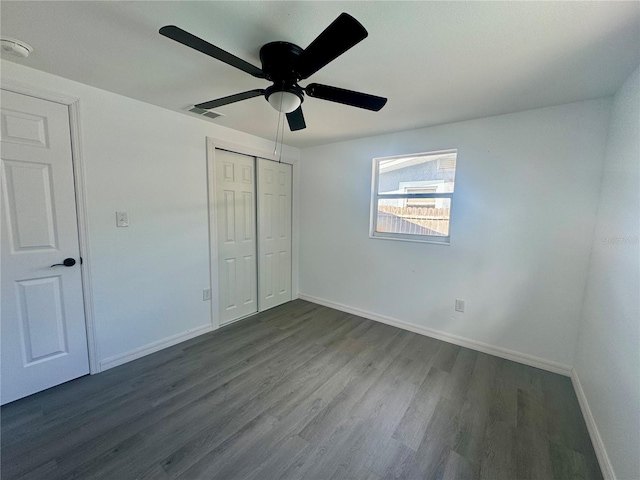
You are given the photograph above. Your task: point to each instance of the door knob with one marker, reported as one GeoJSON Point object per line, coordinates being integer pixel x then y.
{"type": "Point", "coordinates": [67, 262]}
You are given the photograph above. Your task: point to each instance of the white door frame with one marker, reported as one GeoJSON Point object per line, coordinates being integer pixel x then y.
{"type": "Point", "coordinates": [77, 160]}
{"type": "Point", "coordinates": [212, 144]}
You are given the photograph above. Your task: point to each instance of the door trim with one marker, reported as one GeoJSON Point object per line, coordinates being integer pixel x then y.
{"type": "Point", "coordinates": [77, 161]}
{"type": "Point", "coordinates": [212, 144]}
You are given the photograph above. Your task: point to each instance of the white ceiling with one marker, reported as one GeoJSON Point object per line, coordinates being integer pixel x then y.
{"type": "Point", "coordinates": [437, 62]}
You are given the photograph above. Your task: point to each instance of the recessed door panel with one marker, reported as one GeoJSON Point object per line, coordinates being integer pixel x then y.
{"type": "Point", "coordinates": [267, 270]}
{"type": "Point", "coordinates": [248, 216]}
{"type": "Point", "coordinates": [229, 208]}
{"type": "Point", "coordinates": [42, 318]}
{"type": "Point", "coordinates": [266, 208]}
{"type": "Point", "coordinates": [24, 128]}
{"type": "Point", "coordinates": [229, 281]}
{"type": "Point", "coordinates": [283, 219]}
{"type": "Point", "coordinates": [249, 276]}
{"type": "Point", "coordinates": [283, 272]}
{"type": "Point", "coordinates": [247, 175]}
{"type": "Point", "coordinates": [227, 171]}
{"type": "Point", "coordinates": [29, 199]}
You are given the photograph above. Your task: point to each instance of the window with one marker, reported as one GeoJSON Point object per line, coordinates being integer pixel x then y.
{"type": "Point", "coordinates": [411, 196]}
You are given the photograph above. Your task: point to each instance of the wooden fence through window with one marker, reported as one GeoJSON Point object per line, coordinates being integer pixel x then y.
{"type": "Point", "coordinates": [413, 220]}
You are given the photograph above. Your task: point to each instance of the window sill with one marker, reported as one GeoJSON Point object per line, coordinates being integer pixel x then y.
{"type": "Point", "coordinates": [411, 238]}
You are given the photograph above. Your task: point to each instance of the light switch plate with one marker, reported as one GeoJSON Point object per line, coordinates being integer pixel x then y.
{"type": "Point", "coordinates": [206, 294]}
{"type": "Point", "coordinates": [459, 305]}
{"type": "Point", "coordinates": [122, 219]}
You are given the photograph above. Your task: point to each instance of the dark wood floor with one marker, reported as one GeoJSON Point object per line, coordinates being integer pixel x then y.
{"type": "Point", "coordinates": [303, 391]}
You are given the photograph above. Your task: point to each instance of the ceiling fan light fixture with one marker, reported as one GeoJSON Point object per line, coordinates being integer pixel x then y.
{"type": "Point", "coordinates": [285, 102]}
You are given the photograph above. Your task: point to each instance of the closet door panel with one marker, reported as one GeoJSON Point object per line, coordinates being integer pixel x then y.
{"type": "Point", "coordinates": [236, 235]}
{"type": "Point", "coordinates": [274, 233]}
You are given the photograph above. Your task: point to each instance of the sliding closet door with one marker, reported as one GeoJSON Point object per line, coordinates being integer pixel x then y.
{"type": "Point", "coordinates": [274, 233]}
{"type": "Point", "coordinates": [236, 226]}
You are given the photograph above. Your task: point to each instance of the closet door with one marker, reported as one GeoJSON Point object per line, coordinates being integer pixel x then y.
{"type": "Point", "coordinates": [236, 229]}
{"type": "Point", "coordinates": [274, 233]}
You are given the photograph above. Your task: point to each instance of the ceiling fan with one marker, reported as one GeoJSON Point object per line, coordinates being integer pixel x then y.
{"type": "Point", "coordinates": [285, 64]}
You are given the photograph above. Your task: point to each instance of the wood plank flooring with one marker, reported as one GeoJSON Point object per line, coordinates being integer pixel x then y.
{"type": "Point", "coordinates": [303, 391]}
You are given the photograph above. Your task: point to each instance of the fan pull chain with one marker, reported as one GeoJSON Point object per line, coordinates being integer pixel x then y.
{"type": "Point", "coordinates": [279, 133]}
{"type": "Point", "coordinates": [275, 146]}
{"type": "Point", "coordinates": [281, 140]}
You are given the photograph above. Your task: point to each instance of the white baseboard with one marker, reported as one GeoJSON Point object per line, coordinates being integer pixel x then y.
{"type": "Point", "coordinates": [116, 360]}
{"type": "Point", "coordinates": [448, 337]}
{"type": "Point", "coordinates": [594, 433]}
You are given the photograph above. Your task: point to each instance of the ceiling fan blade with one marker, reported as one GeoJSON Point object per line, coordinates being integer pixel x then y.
{"type": "Point", "coordinates": [219, 102]}
{"type": "Point", "coordinates": [296, 120]}
{"type": "Point", "coordinates": [337, 38]}
{"type": "Point", "coordinates": [185, 38]}
{"type": "Point", "coordinates": [348, 97]}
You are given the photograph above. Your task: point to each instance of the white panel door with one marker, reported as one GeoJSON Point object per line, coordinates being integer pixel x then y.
{"type": "Point", "coordinates": [274, 233]}
{"type": "Point", "coordinates": [236, 224]}
{"type": "Point", "coordinates": [43, 328]}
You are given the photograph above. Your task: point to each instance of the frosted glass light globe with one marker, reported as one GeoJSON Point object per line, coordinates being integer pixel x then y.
{"type": "Point", "coordinates": [285, 102]}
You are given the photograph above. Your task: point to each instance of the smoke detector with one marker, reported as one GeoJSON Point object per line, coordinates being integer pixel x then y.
{"type": "Point", "coordinates": [15, 47]}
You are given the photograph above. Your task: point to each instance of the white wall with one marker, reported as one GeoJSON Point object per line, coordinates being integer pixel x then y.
{"type": "Point", "coordinates": [608, 355]}
{"type": "Point", "coordinates": [523, 217]}
{"type": "Point", "coordinates": [150, 162]}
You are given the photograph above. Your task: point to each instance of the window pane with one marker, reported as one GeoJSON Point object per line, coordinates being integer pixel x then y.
{"type": "Point", "coordinates": [414, 220]}
{"type": "Point", "coordinates": [429, 173]}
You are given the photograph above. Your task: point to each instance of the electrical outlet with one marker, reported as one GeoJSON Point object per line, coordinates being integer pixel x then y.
{"type": "Point", "coordinates": [206, 294]}
{"type": "Point", "coordinates": [459, 305]}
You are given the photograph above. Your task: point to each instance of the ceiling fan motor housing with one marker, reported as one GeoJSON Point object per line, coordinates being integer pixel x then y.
{"type": "Point", "coordinates": [279, 62]}
{"type": "Point", "coordinates": [279, 66]}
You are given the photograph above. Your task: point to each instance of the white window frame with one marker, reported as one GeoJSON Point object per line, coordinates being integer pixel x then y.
{"type": "Point", "coordinates": [375, 197]}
